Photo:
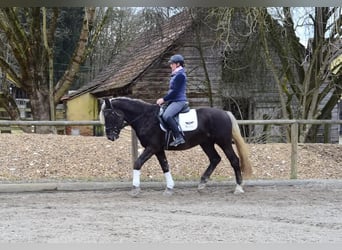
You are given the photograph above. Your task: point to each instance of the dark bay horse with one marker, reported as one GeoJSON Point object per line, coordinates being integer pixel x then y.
{"type": "Point", "coordinates": [215, 126]}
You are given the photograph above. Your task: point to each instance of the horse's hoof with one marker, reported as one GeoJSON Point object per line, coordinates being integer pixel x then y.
{"type": "Point", "coordinates": [135, 191]}
{"type": "Point", "coordinates": [201, 187]}
{"type": "Point", "coordinates": [168, 192]}
{"type": "Point", "coordinates": [238, 190]}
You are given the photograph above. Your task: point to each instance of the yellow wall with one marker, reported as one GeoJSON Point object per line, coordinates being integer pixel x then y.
{"type": "Point", "coordinates": [82, 108]}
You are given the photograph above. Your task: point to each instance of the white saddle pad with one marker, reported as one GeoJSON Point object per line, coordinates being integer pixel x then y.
{"type": "Point", "coordinates": [187, 121]}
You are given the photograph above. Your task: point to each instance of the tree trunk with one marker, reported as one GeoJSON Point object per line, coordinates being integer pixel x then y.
{"type": "Point", "coordinates": [40, 108]}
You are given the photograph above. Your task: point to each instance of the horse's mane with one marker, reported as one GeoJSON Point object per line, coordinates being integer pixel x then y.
{"type": "Point", "coordinates": [129, 99]}
{"type": "Point", "coordinates": [101, 116]}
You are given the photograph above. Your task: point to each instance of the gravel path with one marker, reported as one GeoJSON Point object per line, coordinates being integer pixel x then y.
{"type": "Point", "coordinates": [34, 157]}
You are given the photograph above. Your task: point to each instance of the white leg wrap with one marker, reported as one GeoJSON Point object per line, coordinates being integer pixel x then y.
{"type": "Point", "coordinates": [169, 181]}
{"type": "Point", "coordinates": [136, 178]}
{"type": "Point", "coordinates": [238, 189]}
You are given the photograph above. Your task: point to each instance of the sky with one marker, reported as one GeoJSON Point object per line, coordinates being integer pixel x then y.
{"type": "Point", "coordinates": [303, 22]}
{"type": "Point", "coordinates": [301, 19]}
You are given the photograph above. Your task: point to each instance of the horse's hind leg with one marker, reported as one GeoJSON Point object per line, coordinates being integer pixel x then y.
{"type": "Point", "coordinates": [214, 159]}
{"type": "Point", "coordinates": [235, 162]}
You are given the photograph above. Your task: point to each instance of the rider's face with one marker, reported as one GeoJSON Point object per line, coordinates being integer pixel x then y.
{"type": "Point", "coordinates": [174, 66]}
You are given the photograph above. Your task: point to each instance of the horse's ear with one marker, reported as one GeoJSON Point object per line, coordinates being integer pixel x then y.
{"type": "Point", "coordinates": [108, 104]}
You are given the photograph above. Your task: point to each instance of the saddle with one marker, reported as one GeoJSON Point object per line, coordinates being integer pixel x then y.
{"type": "Point", "coordinates": [186, 120]}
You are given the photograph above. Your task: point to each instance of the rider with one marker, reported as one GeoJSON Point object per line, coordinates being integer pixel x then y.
{"type": "Point", "coordinates": [176, 97]}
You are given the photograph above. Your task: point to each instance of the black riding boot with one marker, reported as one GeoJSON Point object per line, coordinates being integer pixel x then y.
{"type": "Point", "coordinates": [174, 128]}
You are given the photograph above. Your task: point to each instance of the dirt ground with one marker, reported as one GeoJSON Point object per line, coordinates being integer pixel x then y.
{"type": "Point", "coordinates": [33, 157]}
{"type": "Point", "coordinates": [309, 213]}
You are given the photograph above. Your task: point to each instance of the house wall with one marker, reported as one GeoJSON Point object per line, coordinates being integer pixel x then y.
{"type": "Point", "coordinates": [154, 82]}
{"type": "Point", "coordinates": [82, 108]}
{"type": "Point", "coordinates": [226, 84]}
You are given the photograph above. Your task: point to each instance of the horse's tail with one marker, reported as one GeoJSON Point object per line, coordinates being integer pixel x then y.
{"type": "Point", "coordinates": [242, 148]}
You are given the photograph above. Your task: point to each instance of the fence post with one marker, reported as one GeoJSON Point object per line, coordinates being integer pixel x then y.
{"type": "Point", "coordinates": [294, 150]}
{"type": "Point", "coordinates": [134, 141]}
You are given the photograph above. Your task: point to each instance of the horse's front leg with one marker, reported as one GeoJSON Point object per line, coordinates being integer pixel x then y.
{"type": "Point", "coordinates": [145, 155]}
{"type": "Point", "coordinates": [166, 170]}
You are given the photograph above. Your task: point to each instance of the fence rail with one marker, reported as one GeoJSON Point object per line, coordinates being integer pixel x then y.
{"type": "Point", "coordinates": [241, 122]}
{"type": "Point", "coordinates": [293, 123]}
{"type": "Point", "coordinates": [48, 123]}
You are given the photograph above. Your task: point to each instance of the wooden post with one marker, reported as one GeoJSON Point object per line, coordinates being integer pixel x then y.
{"type": "Point", "coordinates": [134, 141]}
{"type": "Point", "coordinates": [294, 150]}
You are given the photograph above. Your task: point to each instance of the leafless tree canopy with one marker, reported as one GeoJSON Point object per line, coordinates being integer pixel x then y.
{"type": "Point", "coordinates": [305, 75]}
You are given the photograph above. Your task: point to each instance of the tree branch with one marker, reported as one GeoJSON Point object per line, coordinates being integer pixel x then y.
{"type": "Point", "coordinates": [10, 71]}
{"type": "Point", "coordinates": [15, 45]}
{"type": "Point", "coordinates": [97, 32]}
{"type": "Point", "coordinates": [18, 30]}
{"type": "Point", "coordinates": [78, 57]}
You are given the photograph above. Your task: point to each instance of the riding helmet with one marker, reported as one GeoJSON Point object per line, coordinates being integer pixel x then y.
{"type": "Point", "coordinates": [177, 59]}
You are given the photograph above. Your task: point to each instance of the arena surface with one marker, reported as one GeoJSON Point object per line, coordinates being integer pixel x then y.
{"type": "Point", "coordinates": [309, 212]}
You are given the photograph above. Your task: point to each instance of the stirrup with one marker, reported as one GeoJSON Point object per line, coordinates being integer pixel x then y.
{"type": "Point", "coordinates": [177, 141]}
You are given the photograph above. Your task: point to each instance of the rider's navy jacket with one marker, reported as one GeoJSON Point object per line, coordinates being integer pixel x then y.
{"type": "Point", "coordinates": [177, 87]}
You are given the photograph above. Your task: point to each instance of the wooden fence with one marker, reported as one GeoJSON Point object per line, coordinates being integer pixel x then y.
{"type": "Point", "coordinates": [294, 124]}
{"type": "Point", "coordinates": [294, 134]}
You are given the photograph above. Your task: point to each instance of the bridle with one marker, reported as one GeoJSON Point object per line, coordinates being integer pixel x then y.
{"type": "Point", "coordinates": [118, 126]}
{"type": "Point", "coordinates": [121, 124]}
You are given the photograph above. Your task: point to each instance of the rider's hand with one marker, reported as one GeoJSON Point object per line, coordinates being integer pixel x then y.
{"type": "Point", "coordinates": [160, 101]}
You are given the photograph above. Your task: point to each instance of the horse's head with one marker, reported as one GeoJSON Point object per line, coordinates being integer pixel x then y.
{"type": "Point", "coordinates": [112, 118]}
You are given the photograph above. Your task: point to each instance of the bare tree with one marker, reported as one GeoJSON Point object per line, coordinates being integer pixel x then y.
{"type": "Point", "coordinates": [30, 36]}
{"type": "Point", "coordinates": [306, 79]}
{"type": "Point", "coordinates": [120, 29]}
{"type": "Point", "coordinates": [303, 75]}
